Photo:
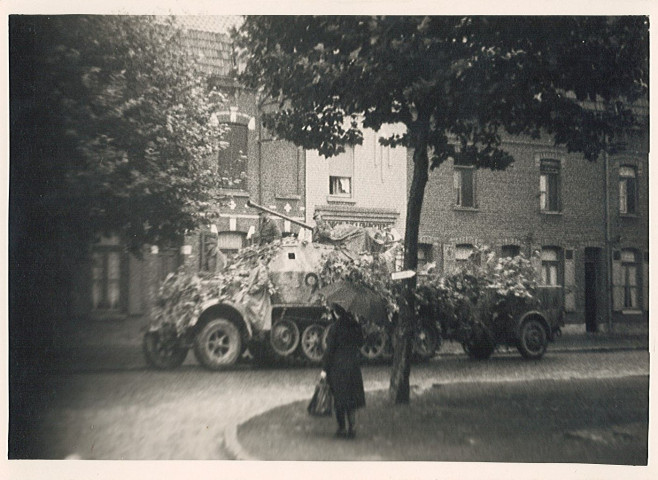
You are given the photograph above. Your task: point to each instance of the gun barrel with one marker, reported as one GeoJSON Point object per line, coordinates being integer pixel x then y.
{"type": "Point", "coordinates": [277, 214]}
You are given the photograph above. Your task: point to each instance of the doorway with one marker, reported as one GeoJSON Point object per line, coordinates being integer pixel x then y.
{"type": "Point", "coordinates": [592, 256]}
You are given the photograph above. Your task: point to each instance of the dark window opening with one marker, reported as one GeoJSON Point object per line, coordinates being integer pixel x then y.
{"type": "Point", "coordinates": [627, 190]}
{"type": "Point", "coordinates": [510, 251]}
{"type": "Point", "coordinates": [340, 186]}
{"type": "Point", "coordinates": [232, 160]}
{"type": "Point", "coordinates": [464, 179]}
{"type": "Point", "coordinates": [549, 186]}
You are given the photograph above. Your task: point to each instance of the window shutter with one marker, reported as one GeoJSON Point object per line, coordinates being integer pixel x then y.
{"type": "Point", "coordinates": [617, 285]}
{"type": "Point", "coordinates": [570, 282]}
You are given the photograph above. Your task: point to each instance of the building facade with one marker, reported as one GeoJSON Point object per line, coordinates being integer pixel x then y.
{"type": "Point", "coordinates": [366, 185]}
{"type": "Point", "coordinates": [270, 172]}
{"type": "Point", "coordinates": [586, 221]}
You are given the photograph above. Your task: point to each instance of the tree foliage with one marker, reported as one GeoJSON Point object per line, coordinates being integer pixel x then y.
{"type": "Point", "coordinates": [465, 78]}
{"type": "Point", "coordinates": [114, 118]}
{"type": "Point", "coordinates": [110, 131]}
{"type": "Point", "coordinates": [456, 83]}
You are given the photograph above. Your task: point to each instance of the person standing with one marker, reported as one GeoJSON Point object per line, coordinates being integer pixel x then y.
{"type": "Point", "coordinates": [341, 368]}
{"type": "Point", "coordinates": [322, 230]}
{"type": "Point", "coordinates": [255, 297]}
{"type": "Point", "coordinates": [269, 230]}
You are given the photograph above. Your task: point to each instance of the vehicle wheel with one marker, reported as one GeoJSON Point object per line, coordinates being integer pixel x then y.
{"type": "Point", "coordinates": [426, 342]}
{"type": "Point", "coordinates": [218, 344]}
{"type": "Point", "coordinates": [374, 346]}
{"type": "Point", "coordinates": [164, 355]}
{"type": "Point", "coordinates": [284, 337]}
{"type": "Point", "coordinates": [533, 339]}
{"type": "Point", "coordinates": [312, 344]}
{"type": "Point", "coordinates": [478, 346]}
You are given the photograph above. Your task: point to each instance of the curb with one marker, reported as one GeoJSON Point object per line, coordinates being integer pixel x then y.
{"type": "Point", "coordinates": [560, 349]}
{"type": "Point", "coordinates": [235, 449]}
{"type": "Point", "coordinates": [233, 446]}
{"type": "Point", "coordinates": [135, 362]}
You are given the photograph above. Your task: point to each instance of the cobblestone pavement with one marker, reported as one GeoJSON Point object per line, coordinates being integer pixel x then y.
{"type": "Point", "coordinates": [145, 414]}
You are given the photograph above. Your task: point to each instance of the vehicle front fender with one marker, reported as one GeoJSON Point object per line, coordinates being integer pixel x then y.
{"type": "Point", "coordinates": [232, 311]}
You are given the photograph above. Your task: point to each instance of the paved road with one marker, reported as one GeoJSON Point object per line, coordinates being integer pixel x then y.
{"type": "Point", "coordinates": [146, 414]}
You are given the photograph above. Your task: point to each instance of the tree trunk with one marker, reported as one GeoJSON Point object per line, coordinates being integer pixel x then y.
{"type": "Point", "coordinates": [405, 326]}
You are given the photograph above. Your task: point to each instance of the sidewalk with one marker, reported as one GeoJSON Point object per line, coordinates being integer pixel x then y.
{"type": "Point", "coordinates": [539, 421]}
{"type": "Point", "coordinates": [471, 423]}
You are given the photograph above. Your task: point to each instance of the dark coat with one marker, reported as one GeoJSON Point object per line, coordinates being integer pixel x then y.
{"type": "Point", "coordinates": [342, 363]}
{"type": "Point", "coordinates": [269, 231]}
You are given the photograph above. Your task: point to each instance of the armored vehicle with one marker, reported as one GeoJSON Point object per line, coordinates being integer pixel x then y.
{"type": "Point", "coordinates": [265, 302]}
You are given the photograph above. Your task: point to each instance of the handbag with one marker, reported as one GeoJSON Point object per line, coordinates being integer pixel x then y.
{"type": "Point", "coordinates": [322, 402]}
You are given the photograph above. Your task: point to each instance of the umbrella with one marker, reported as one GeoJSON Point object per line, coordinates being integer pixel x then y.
{"type": "Point", "coordinates": [357, 299]}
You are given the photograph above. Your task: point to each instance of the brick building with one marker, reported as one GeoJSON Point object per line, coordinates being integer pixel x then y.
{"type": "Point", "coordinates": [587, 220]}
{"type": "Point", "coordinates": [118, 285]}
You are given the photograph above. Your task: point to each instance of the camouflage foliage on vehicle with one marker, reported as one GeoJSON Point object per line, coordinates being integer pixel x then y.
{"type": "Point", "coordinates": [485, 290]}
{"type": "Point", "coordinates": [372, 271]}
{"type": "Point", "coordinates": [182, 295]}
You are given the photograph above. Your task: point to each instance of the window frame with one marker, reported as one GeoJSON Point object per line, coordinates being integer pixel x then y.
{"type": "Point", "coordinates": [424, 255]}
{"type": "Point", "coordinates": [550, 176]}
{"type": "Point", "coordinates": [337, 178]}
{"type": "Point", "coordinates": [628, 288]}
{"type": "Point", "coordinates": [514, 247]}
{"type": "Point", "coordinates": [557, 263]}
{"type": "Point", "coordinates": [244, 156]}
{"type": "Point", "coordinates": [625, 196]}
{"type": "Point", "coordinates": [458, 186]}
{"type": "Point", "coordinates": [462, 247]}
{"type": "Point", "coordinates": [105, 251]}
{"type": "Point", "coordinates": [225, 237]}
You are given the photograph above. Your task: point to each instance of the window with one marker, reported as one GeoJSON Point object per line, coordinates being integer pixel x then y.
{"type": "Point", "coordinates": [106, 280]}
{"type": "Point", "coordinates": [627, 190]}
{"type": "Point", "coordinates": [424, 254]}
{"type": "Point", "coordinates": [463, 253]}
{"type": "Point", "coordinates": [232, 160]}
{"type": "Point", "coordinates": [549, 186]}
{"type": "Point", "coordinates": [208, 251]}
{"type": "Point", "coordinates": [464, 180]}
{"type": "Point", "coordinates": [168, 262]}
{"type": "Point", "coordinates": [341, 175]}
{"type": "Point", "coordinates": [340, 186]}
{"type": "Point", "coordinates": [230, 242]}
{"type": "Point", "coordinates": [509, 251]}
{"type": "Point", "coordinates": [550, 266]}
{"type": "Point", "coordinates": [629, 272]}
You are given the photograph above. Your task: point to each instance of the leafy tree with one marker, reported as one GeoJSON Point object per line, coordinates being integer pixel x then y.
{"type": "Point", "coordinates": [111, 131]}
{"type": "Point", "coordinates": [119, 119]}
{"type": "Point", "coordinates": [456, 83]}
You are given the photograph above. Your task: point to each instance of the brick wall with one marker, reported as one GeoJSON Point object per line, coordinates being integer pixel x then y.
{"type": "Point", "coordinates": [507, 212]}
